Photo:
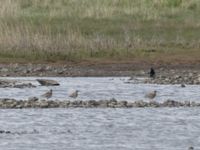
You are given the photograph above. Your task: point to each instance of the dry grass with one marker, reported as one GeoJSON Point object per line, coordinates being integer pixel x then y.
{"type": "Point", "coordinates": [113, 29]}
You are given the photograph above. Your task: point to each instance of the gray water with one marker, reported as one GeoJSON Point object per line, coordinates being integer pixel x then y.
{"type": "Point", "coordinates": [101, 129]}
{"type": "Point", "coordinates": [98, 88]}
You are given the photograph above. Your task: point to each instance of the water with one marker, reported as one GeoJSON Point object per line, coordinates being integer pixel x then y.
{"type": "Point", "coordinates": [101, 129]}
{"type": "Point", "coordinates": [107, 129]}
{"type": "Point", "coordinates": [97, 88]}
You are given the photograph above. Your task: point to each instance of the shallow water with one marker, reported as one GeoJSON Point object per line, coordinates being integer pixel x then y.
{"type": "Point", "coordinates": [101, 129]}
{"type": "Point", "coordinates": [107, 129]}
{"type": "Point", "coordinates": [97, 88]}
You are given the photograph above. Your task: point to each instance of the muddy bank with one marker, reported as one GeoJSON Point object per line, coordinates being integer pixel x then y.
{"type": "Point", "coordinates": [35, 103]}
{"type": "Point", "coordinates": [165, 74]}
{"type": "Point", "coordinates": [66, 70]}
{"type": "Point", "coordinates": [172, 76]}
{"type": "Point", "coordinates": [95, 69]}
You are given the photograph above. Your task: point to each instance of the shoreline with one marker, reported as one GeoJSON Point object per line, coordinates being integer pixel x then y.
{"type": "Point", "coordinates": [165, 74]}
{"type": "Point", "coordinates": [95, 69]}
{"type": "Point", "coordinates": [113, 103]}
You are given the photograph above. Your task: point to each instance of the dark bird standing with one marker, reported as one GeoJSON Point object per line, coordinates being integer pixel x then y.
{"type": "Point", "coordinates": [152, 73]}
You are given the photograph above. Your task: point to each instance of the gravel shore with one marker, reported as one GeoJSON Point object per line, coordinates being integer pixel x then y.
{"type": "Point", "coordinates": [36, 103]}
{"type": "Point", "coordinates": [168, 74]}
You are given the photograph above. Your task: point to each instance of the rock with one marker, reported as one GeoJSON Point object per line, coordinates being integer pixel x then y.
{"type": "Point", "coordinates": [190, 75]}
{"type": "Point", "coordinates": [63, 104]}
{"type": "Point", "coordinates": [187, 104]}
{"type": "Point", "coordinates": [167, 80]}
{"type": "Point", "coordinates": [193, 104]}
{"type": "Point", "coordinates": [129, 105]}
{"type": "Point", "coordinates": [121, 104]}
{"type": "Point", "coordinates": [177, 77]}
{"type": "Point", "coordinates": [34, 99]}
{"type": "Point", "coordinates": [45, 82]}
{"type": "Point", "coordinates": [43, 104]}
{"type": "Point", "coordinates": [91, 103]}
{"type": "Point", "coordinates": [191, 148]}
{"type": "Point", "coordinates": [4, 69]}
{"type": "Point", "coordinates": [13, 105]}
{"type": "Point", "coordinates": [112, 103]}
{"type": "Point", "coordinates": [139, 104]}
{"type": "Point", "coordinates": [113, 100]}
{"type": "Point", "coordinates": [6, 82]}
{"type": "Point", "coordinates": [27, 105]}
{"type": "Point", "coordinates": [5, 75]}
{"type": "Point", "coordinates": [60, 72]}
{"type": "Point", "coordinates": [24, 85]}
{"type": "Point", "coordinates": [19, 106]}
{"type": "Point", "coordinates": [131, 78]}
{"type": "Point", "coordinates": [182, 85]}
{"type": "Point", "coordinates": [26, 71]}
{"type": "Point", "coordinates": [7, 132]}
{"type": "Point", "coordinates": [53, 104]}
{"type": "Point", "coordinates": [196, 82]}
{"type": "Point", "coordinates": [40, 69]}
{"type": "Point", "coordinates": [171, 103]}
{"type": "Point", "coordinates": [103, 103]}
{"type": "Point", "coordinates": [153, 104]}
{"type": "Point", "coordinates": [15, 84]}
{"type": "Point", "coordinates": [35, 103]}
{"type": "Point", "coordinates": [48, 67]}
{"type": "Point", "coordinates": [4, 132]}
{"type": "Point", "coordinates": [76, 104]}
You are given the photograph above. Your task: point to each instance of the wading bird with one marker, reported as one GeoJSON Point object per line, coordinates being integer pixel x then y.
{"type": "Point", "coordinates": [151, 95]}
{"type": "Point", "coordinates": [73, 93]}
{"type": "Point", "coordinates": [48, 94]}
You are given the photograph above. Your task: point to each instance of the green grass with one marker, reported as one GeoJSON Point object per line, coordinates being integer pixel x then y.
{"type": "Point", "coordinates": [73, 30]}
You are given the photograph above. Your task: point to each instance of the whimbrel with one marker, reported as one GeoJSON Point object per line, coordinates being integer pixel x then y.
{"type": "Point", "coordinates": [151, 95]}
{"type": "Point", "coordinates": [73, 93]}
{"type": "Point", "coordinates": [48, 94]}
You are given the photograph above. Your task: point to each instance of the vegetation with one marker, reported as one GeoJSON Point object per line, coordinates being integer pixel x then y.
{"type": "Point", "coordinates": [73, 30]}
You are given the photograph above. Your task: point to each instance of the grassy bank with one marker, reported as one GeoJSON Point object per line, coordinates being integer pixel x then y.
{"type": "Point", "coordinates": [93, 29]}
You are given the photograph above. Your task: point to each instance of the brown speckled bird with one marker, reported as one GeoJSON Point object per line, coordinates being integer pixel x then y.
{"type": "Point", "coordinates": [48, 94]}
{"type": "Point", "coordinates": [73, 93]}
{"type": "Point", "coordinates": [151, 95]}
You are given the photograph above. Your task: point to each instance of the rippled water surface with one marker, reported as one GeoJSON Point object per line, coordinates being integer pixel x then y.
{"type": "Point", "coordinates": [100, 129]}
{"type": "Point", "coordinates": [94, 88]}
